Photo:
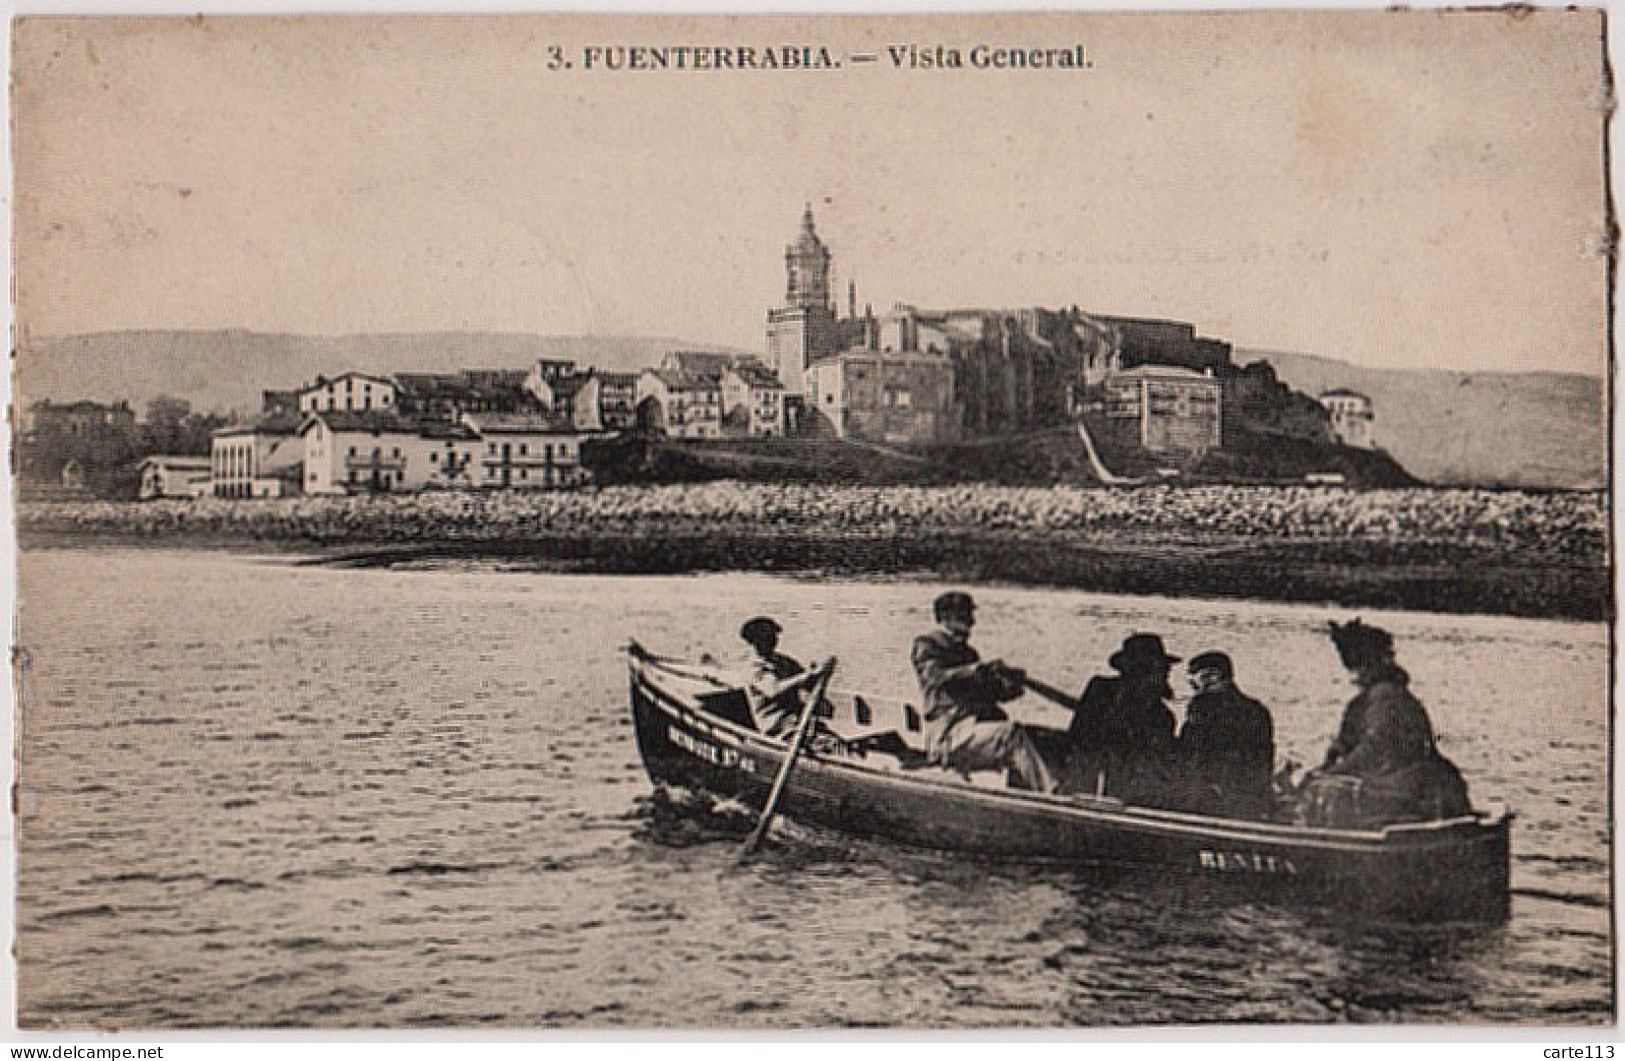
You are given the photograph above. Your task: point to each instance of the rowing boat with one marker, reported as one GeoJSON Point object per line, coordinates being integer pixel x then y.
{"type": "Point", "coordinates": [694, 731]}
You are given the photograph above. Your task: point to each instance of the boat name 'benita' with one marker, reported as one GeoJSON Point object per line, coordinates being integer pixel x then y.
{"type": "Point", "coordinates": [1246, 862]}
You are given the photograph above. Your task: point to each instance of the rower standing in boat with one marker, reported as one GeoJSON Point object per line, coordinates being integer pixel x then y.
{"type": "Point", "coordinates": [1121, 741]}
{"type": "Point", "coordinates": [1384, 766]}
{"type": "Point", "coordinates": [966, 729]}
{"type": "Point", "coordinates": [1226, 748]}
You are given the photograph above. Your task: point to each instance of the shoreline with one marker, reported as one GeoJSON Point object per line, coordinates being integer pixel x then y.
{"type": "Point", "coordinates": [1466, 571]}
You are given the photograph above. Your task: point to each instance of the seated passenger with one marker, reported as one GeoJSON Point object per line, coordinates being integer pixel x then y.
{"type": "Point", "coordinates": [1384, 761]}
{"type": "Point", "coordinates": [1121, 741]}
{"type": "Point", "coordinates": [1226, 749]}
{"type": "Point", "coordinates": [965, 728]}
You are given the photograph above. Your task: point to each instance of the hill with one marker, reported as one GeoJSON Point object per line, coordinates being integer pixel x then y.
{"type": "Point", "coordinates": [1525, 429]}
{"type": "Point", "coordinates": [226, 370]}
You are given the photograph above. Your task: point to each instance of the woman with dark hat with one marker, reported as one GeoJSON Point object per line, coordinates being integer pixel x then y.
{"type": "Point", "coordinates": [1384, 758]}
{"type": "Point", "coordinates": [1121, 740]}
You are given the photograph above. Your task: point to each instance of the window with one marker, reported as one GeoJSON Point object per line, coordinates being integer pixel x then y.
{"type": "Point", "coordinates": [524, 449]}
{"type": "Point", "coordinates": [434, 458]}
{"type": "Point", "coordinates": [395, 452]}
{"type": "Point", "coordinates": [352, 451]}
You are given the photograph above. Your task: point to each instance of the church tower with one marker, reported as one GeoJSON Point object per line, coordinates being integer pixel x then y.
{"type": "Point", "coordinates": [806, 268]}
{"type": "Point", "coordinates": [803, 329]}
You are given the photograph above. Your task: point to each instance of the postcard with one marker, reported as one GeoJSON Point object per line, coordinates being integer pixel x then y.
{"type": "Point", "coordinates": [796, 523]}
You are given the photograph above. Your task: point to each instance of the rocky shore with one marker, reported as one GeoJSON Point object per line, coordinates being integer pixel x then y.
{"type": "Point", "coordinates": [1494, 552]}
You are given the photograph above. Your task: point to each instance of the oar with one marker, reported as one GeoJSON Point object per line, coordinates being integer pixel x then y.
{"type": "Point", "coordinates": [803, 728]}
{"type": "Point", "coordinates": [1049, 692]}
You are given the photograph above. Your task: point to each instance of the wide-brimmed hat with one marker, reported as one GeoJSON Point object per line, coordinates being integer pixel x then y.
{"type": "Point", "coordinates": [1140, 652]}
{"type": "Point", "coordinates": [755, 630]}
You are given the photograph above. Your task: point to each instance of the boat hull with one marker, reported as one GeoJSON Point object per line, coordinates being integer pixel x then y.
{"type": "Point", "coordinates": [1430, 872]}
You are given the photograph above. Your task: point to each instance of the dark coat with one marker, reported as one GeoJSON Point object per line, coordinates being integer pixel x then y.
{"type": "Point", "coordinates": [1124, 730]}
{"type": "Point", "coordinates": [1386, 741]}
{"type": "Point", "coordinates": [1226, 752]}
{"type": "Point", "coordinates": [1384, 729]}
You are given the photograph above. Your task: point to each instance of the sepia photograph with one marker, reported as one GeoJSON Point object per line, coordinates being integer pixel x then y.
{"type": "Point", "coordinates": [804, 523]}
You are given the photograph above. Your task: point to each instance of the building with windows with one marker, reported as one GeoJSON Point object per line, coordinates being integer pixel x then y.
{"type": "Point", "coordinates": [607, 401]}
{"type": "Point", "coordinates": [1353, 417]}
{"type": "Point", "coordinates": [260, 459]}
{"type": "Point", "coordinates": [679, 404]}
{"type": "Point", "coordinates": [556, 386]}
{"type": "Point", "coordinates": [447, 396]}
{"type": "Point", "coordinates": [368, 452]}
{"type": "Point", "coordinates": [752, 400]}
{"type": "Point", "coordinates": [1165, 409]}
{"type": "Point", "coordinates": [526, 452]}
{"type": "Point", "coordinates": [882, 396]}
{"type": "Point", "coordinates": [350, 392]}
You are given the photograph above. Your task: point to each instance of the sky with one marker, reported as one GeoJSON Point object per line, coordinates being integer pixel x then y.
{"type": "Point", "coordinates": [1393, 190]}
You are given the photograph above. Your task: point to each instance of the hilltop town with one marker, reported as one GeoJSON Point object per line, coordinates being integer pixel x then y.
{"type": "Point", "coordinates": [911, 394]}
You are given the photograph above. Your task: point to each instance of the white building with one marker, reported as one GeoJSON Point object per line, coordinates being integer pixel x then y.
{"type": "Point", "coordinates": [367, 452]}
{"type": "Point", "coordinates": [526, 452]}
{"type": "Point", "coordinates": [679, 404]}
{"type": "Point", "coordinates": [172, 476]}
{"type": "Point", "coordinates": [752, 400]}
{"type": "Point", "coordinates": [1352, 417]}
{"type": "Point", "coordinates": [257, 460]}
{"type": "Point", "coordinates": [351, 392]}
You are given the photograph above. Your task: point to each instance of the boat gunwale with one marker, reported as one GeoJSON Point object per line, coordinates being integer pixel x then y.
{"type": "Point", "coordinates": [1408, 838]}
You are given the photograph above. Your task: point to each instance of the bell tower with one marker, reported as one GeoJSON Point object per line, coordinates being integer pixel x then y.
{"type": "Point", "coordinates": [806, 268]}
{"type": "Point", "coordinates": [803, 329]}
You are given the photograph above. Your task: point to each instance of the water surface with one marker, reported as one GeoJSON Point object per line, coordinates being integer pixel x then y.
{"type": "Point", "coordinates": [257, 794]}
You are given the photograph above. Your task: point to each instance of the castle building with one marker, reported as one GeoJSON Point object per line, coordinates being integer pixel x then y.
{"type": "Point", "coordinates": [1352, 417]}
{"type": "Point", "coordinates": [1165, 409]}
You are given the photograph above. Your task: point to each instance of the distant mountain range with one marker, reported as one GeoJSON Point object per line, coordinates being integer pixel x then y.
{"type": "Point", "coordinates": [1533, 429]}
{"type": "Point", "coordinates": [1528, 429]}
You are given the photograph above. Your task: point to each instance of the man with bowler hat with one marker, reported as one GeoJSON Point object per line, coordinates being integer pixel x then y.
{"type": "Point", "coordinates": [1121, 740]}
